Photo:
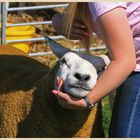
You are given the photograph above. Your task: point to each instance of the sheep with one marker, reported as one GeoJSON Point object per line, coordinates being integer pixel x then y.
{"type": "Point", "coordinates": [27, 106]}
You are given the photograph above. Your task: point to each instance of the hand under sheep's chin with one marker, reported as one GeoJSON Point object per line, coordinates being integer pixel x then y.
{"type": "Point", "coordinates": [74, 90]}
{"type": "Point", "coordinates": [77, 92]}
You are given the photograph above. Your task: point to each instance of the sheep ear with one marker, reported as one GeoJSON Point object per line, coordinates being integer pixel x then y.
{"type": "Point", "coordinates": [106, 59]}
{"type": "Point", "coordinates": [99, 62]}
{"type": "Point", "coordinates": [56, 48]}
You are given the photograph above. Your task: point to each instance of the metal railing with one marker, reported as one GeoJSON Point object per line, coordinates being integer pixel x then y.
{"type": "Point", "coordinates": [3, 22]}
{"type": "Point", "coordinates": [5, 10]}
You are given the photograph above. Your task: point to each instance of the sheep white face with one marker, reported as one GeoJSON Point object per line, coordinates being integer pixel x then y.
{"type": "Point", "coordinates": [78, 74]}
{"type": "Point", "coordinates": [78, 71]}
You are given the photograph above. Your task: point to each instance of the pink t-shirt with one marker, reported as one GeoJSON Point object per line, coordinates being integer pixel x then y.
{"type": "Point", "coordinates": [133, 14]}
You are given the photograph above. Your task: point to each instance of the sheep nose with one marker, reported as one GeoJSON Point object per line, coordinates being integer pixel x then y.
{"type": "Point", "coordinates": [82, 77]}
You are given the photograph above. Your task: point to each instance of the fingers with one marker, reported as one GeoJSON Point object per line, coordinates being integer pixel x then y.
{"type": "Point", "coordinates": [66, 100]}
{"type": "Point", "coordinates": [78, 30]}
{"type": "Point", "coordinates": [79, 23]}
{"type": "Point", "coordinates": [58, 91]}
{"type": "Point", "coordinates": [72, 103]}
{"type": "Point", "coordinates": [79, 27]}
{"type": "Point", "coordinates": [60, 94]}
{"type": "Point", "coordinates": [79, 33]}
{"type": "Point", "coordinates": [76, 36]}
{"type": "Point", "coordinates": [60, 83]}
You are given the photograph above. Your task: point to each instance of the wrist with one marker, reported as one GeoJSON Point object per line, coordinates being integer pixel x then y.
{"type": "Point", "coordinates": [92, 97]}
{"type": "Point", "coordinates": [88, 103]}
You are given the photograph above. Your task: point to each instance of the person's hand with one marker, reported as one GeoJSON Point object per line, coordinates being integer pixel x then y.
{"type": "Point", "coordinates": [78, 31]}
{"type": "Point", "coordinates": [67, 101]}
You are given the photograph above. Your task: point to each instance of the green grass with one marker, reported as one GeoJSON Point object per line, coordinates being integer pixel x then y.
{"type": "Point", "coordinates": [106, 112]}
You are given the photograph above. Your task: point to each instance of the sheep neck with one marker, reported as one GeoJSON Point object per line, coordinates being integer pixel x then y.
{"type": "Point", "coordinates": [77, 119]}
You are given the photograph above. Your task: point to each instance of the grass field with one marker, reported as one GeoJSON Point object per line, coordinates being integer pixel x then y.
{"type": "Point", "coordinates": [106, 112]}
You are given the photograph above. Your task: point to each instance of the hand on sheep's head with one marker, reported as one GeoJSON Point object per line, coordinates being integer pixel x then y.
{"type": "Point", "coordinates": [67, 101]}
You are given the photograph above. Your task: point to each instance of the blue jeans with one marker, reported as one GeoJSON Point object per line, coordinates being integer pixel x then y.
{"type": "Point", "coordinates": [125, 121]}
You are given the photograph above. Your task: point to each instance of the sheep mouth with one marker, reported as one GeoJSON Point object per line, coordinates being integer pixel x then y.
{"type": "Point", "coordinates": [80, 87]}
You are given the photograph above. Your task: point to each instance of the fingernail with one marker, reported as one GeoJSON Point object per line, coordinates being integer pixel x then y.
{"type": "Point", "coordinates": [54, 91]}
{"type": "Point", "coordinates": [57, 78]}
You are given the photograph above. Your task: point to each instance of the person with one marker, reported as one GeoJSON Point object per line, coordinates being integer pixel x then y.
{"type": "Point", "coordinates": [118, 25]}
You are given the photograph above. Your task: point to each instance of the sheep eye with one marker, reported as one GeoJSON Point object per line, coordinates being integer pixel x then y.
{"type": "Point", "coordinates": [63, 61]}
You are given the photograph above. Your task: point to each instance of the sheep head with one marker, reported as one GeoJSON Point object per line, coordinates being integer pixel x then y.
{"type": "Point", "coordinates": [78, 71]}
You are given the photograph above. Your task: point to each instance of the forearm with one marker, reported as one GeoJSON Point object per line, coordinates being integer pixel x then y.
{"type": "Point", "coordinates": [111, 78]}
{"type": "Point", "coordinates": [118, 38]}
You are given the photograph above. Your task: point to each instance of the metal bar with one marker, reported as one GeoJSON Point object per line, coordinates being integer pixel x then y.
{"type": "Point", "coordinates": [0, 12]}
{"type": "Point", "coordinates": [35, 39]}
{"type": "Point", "coordinates": [44, 22]}
{"type": "Point", "coordinates": [3, 22]}
{"type": "Point", "coordinates": [40, 53]}
{"type": "Point", "coordinates": [38, 7]}
{"type": "Point", "coordinates": [82, 49]}
{"type": "Point", "coordinates": [34, 23]}
{"type": "Point", "coordinates": [29, 23]}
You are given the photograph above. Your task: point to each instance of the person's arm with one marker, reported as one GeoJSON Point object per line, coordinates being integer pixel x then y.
{"type": "Point", "coordinates": [117, 36]}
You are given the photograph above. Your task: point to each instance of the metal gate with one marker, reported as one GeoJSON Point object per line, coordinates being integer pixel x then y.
{"type": "Point", "coordinates": [5, 9]}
